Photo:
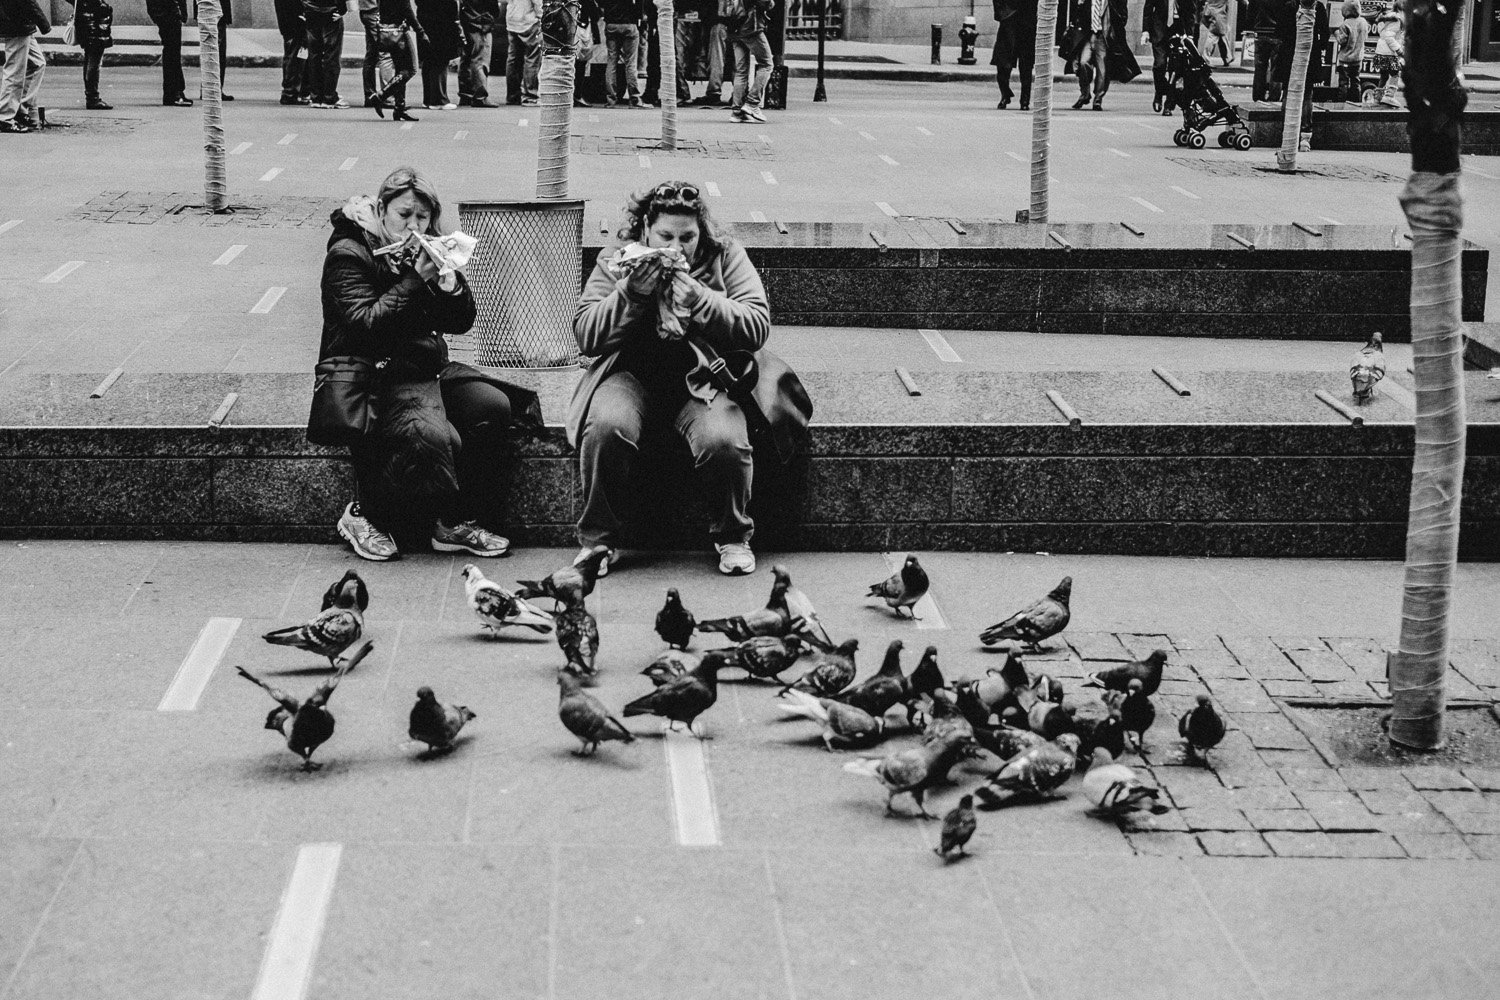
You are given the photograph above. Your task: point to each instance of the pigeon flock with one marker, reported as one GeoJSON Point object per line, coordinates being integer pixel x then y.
{"type": "Point", "coordinates": [1039, 736]}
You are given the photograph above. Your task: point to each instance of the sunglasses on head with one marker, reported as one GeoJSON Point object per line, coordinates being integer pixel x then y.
{"type": "Point", "coordinates": [686, 192]}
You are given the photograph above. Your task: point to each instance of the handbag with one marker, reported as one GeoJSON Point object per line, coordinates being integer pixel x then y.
{"type": "Point", "coordinates": [390, 36]}
{"type": "Point", "coordinates": [773, 398]}
{"type": "Point", "coordinates": [343, 411]}
{"type": "Point", "coordinates": [69, 34]}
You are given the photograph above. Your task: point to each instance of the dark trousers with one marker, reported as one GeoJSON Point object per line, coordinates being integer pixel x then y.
{"type": "Point", "coordinates": [480, 413]}
{"type": "Point", "coordinates": [1263, 85]}
{"type": "Point", "coordinates": [223, 51]}
{"type": "Point", "coordinates": [377, 62]}
{"type": "Point", "coordinates": [172, 83]}
{"type": "Point", "coordinates": [434, 80]}
{"type": "Point", "coordinates": [650, 38]}
{"type": "Point", "coordinates": [294, 65]}
{"type": "Point", "coordinates": [93, 58]}
{"type": "Point", "coordinates": [1093, 67]}
{"type": "Point", "coordinates": [325, 46]}
{"type": "Point", "coordinates": [473, 67]}
{"type": "Point", "coordinates": [1023, 51]}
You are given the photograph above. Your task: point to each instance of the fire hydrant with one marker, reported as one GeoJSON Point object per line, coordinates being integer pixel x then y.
{"type": "Point", "coordinates": [967, 36]}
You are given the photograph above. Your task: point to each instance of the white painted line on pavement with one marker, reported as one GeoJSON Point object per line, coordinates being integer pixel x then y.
{"type": "Point", "coordinates": [1118, 152]}
{"type": "Point", "coordinates": [1109, 131]}
{"type": "Point", "coordinates": [230, 254]}
{"type": "Point", "coordinates": [109, 380]}
{"type": "Point", "coordinates": [286, 140]}
{"type": "Point", "coordinates": [757, 216]}
{"type": "Point", "coordinates": [236, 151]}
{"type": "Point", "coordinates": [712, 188]}
{"type": "Point", "coordinates": [270, 175]}
{"type": "Point", "coordinates": [198, 666]}
{"type": "Point", "coordinates": [461, 134]}
{"type": "Point", "coordinates": [524, 122]}
{"type": "Point", "coordinates": [1334, 222]}
{"type": "Point", "coordinates": [8, 226]}
{"type": "Point", "coordinates": [835, 121]}
{"type": "Point", "coordinates": [61, 273]}
{"type": "Point", "coordinates": [1015, 156]}
{"type": "Point", "coordinates": [1185, 193]}
{"type": "Point", "coordinates": [692, 796]}
{"type": "Point", "coordinates": [866, 135]}
{"type": "Point", "coordinates": [888, 160]}
{"type": "Point", "coordinates": [406, 127]}
{"type": "Point", "coordinates": [268, 301]}
{"type": "Point", "coordinates": [939, 345]}
{"type": "Point", "coordinates": [645, 161]}
{"type": "Point", "coordinates": [768, 177]}
{"type": "Point", "coordinates": [1144, 203]}
{"type": "Point", "coordinates": [928, 614]}
{"type": "Point", "coordinates": [887, 209]}
{"type": "Point", "coordinates": [349, 163]}
{"type": "Point", "coordinates": [765, 138]}
{"type": "Point", "coordinates": [286, 968]}
{"type": "Point", "coordinates": [923, 130]}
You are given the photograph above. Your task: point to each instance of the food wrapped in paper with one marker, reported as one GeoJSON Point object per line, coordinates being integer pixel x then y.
{"type": "Point", "coordinates": [670, 315]}
{"type": "Point", "coordinates": [450, 252]}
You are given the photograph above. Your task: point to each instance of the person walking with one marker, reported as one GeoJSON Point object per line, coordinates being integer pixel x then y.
{"type": "Point", "coordinates": [1350, 37]}
{"type": "Point", "coordinates": [644, 381]}
{"type": "Point", "coordinates": [621, 37]}
{"type": "Point", "coordinates": [436, 458]}
{"type": "Point", "coordinates": [1213, 27]}
{"type": "Point", "coordinates": [398, 36]}
{"type": "Point", "coordinates": [1389, 48]}
{"type": "Point", "coordinates": [444, 41]}
{"type": "Point", "coordinates": [1098, 49]}
{"type": "Point", "coordinates": [378, 65]}
{"type": "Point", "coordinates": [478, 18]}
{"type": "Point", "coordinates": [1264, 16]}
{"type": "Point", "coordinates": [523, 25]}
{"type": "Point", "coordinates": [25, 63]}
{"type": "Point", "coordinates": [92, 24]}
{"type": "Point", "coordinates": [291, 22]}
{"type": "Point", "coordinates": [1015, 47]}
{"type": "Point", "coordinates": [746, 27]}
{"type": "Point", "coordinates": [325, 48]}
{"type": "Point", "coordinates": [169, 16]}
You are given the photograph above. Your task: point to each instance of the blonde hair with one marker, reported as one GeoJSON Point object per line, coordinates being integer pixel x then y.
{"type": "Point", "coordinates": [407, 179]}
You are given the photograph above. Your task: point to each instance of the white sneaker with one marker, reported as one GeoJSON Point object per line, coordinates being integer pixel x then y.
{"type": "Point", "coordinates": [753, 114]}
{"type": "Point", "coordinates": [735, 559]}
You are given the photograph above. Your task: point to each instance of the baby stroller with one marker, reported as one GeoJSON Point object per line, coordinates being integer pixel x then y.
{"type": "Point", "coordinates": [1202, 102]}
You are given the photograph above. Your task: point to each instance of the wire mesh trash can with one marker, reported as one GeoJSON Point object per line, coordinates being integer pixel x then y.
{"type": "Point", "coordinates": [525, 274]}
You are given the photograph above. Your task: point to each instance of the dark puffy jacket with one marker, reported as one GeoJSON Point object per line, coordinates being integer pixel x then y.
{"type": "Point", "coordinates": [371, 312]}
{"type": "Point", "coordinates": [93, 21]}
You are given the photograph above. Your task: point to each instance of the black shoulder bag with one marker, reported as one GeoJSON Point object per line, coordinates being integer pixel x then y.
{"type": "Point", "coordinates": [343, 410]}
{"type": "Point", "coordinates": [775, 402]}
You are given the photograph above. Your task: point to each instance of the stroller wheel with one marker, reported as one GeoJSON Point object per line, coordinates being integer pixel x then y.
{"type": "Point", "coordinates": [1242, 141]}
{"type": "Point", "coordinates": [1180, 137]}
{"type": "Point", "coordinates": [1196, 141]}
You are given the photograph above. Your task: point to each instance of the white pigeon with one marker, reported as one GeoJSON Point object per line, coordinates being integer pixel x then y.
{"type": "Point", "coordinates": [498, 608]}
{"type": "Point", "coordinates": [1368, 367]}
{"type": "Point", "coordinates": [1116, 789]}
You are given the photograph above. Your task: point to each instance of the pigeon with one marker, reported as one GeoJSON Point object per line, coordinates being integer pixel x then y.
{"type": "Point", "coordinates": [1006, 742]}
{"type": "Point", "coordinates": [669, 666]}
{"type": "Point", "coordinates": [434, 723]}
{"type": "Point", "coordinates": [997, 687]}
{"type": "Point", "coordinates": [1147, 671]}
{"type": "Point", "coordinates": [1137, 713]}
{"type": "Point", "coordinates": [880, 693]}
{"type": "Point", "coordinates": [767, 656]}
{"type": "Point", "coordinates": [1048, 688]}
{"type": "Point", "coordinates": [801, 607]}
{"type": "Point", "coordinates": [498, 608]}
{"type": "Point", "coordinates": [586, 717]}
{"type": "Point", "coordinates": [774, 619]}
{"type": "Point", "coordinates": [337, 627]}
{"type": "Point", "coordinates": [906, 587]}
{"type": "Point", "coordinates": [1202, 727]}
{"type": "Point", "coordinates": [831, 672]}
{"type": "Point", "coordinates": [841, 722]}
{"type": "Point", "coordinates": [1034, 773]}
{"type": "Point", "coordinates": [1048, 719]}
{"type": "Point", "coordinates": [675, 623]}
{"type": "Point", "coordinates": [578, 636]}
{"type": "Point", "coordinates": [1108, 733]}
{"type": "Point", "coordinates": [311, 722]}
{"type": "Point", "coordinates": [1368, 367]}
{"type": "Point", "coordinates": [945, 720]}
{"type": "Point", "coordinates": [683, 699]}
{"type": "Point", "coordinates": [361, 593]}
{"type": "Point", "coordinates": [574, 582]}
{"type": "Point", "coordinates": [921, 683]}
{"type": "Point", "coordinates": [1115, 789]}
{"type": "Point", "coordinates": [913, 770]}
{"type": "Point", "coordinates": [958, 827]}
{"type": "Point", "coordinates": [1041, 621]}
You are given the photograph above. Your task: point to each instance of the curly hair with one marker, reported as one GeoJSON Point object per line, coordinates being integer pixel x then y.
{"type": "Point", "coordinates": [643, 208]}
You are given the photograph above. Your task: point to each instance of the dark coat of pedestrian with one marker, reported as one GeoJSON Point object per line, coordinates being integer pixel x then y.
{"type": "Point", "coordinates": [1097, 49]}
{"type": "Point", "coordinates": [169, 17]}
{"type": "Point", "coordinates": [1015, 47]}
{"type": "Point", "coordinates": [445, 35]}
{"type": "Point", "coordinates": [93, 32]}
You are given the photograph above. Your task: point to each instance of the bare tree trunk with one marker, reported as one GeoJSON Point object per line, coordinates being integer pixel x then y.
{"type": "Point", "coordinates": [1433, 203]}
{"type": "Point", "coordinates": [215, 179]}
{"type": "Point", "coordinates": [1041, 109]}
{"type": "Point", "coordinates": [1296, 89]}
{"type": "Point", "coordinates": [555, 85]}
{"type": "Point", "coordinates": [666, 40]}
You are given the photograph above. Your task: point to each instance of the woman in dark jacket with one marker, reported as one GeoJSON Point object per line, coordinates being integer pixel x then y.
{"type": "Point", "coordinates": [92, 30]}
{"type": "Point", "coordinates": [648, 375]}
{"type": "Point", "coordinates": [435, 451]}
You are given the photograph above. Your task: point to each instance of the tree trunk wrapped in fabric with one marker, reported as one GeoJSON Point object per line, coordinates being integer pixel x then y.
{"type": "Point", "coordinates": [1296, 89]}
{"type": "Point", "coordinates": [1041, 109]}
{"type": "Point", "coordinates": [1433, 202]}
{"type": "Point", "coordinates": [666, 39]}
{"type": "Point", "coordinates": [555, 85]}
{"type": "Point", "coordinates": [215, 179]}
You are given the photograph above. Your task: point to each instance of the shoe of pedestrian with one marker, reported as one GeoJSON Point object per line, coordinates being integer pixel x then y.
{"type": "Point", "coordinates": [1004, 103]}
{"type": "Point", "coordinates": [635, 102]}
{"type": "Point", "coordinates": [1156, 104]}
{"type": "Point", "coordinates": [339, 104]}
{"type": "Point", "coordinates": [27, 122]}
{"type": "Point", "coordinates": [1097, 106]}
{"type": "Point", "coordinates": [98, 104]}
{"type": "Point", "coordinates": [735, 559]}
{"type": "Point", "coordinates": [738, 116]}
{"type": "Point", "coordinates": [1025, 105]}
{"type": "Point", "coordinates": [1080, 104]}
{"type": "Point", "coordinates": [469, 537]}
{"type": "Point", "coordinates": [180, 101]}
{"type": "Point", "coordinates": [367, 541]}
{"type": "Point", "coordinates": [754, 114]}
{"type": "Point", "coordinates": [611, 104]}
{"type": "Point", "coordinates": [402, 115]}
{"type": "Point", "coordinates": [578, 102]}
{"type": "Point", "coordinates": [225, 97]}
{"type": "Point", "coordinates": [323, 105]}
{"type": "Point", "coordinates": [486, 103]}
{"type": "Point", "coordinates": [304, 101]}
{"type": "Point", "coordinates": [529, 102]}
{"type": "Point", "coordinates": [441, 107]}
{"type": "Point", "coordinates": [604, 563]}
{"type": "Point", "coordinates": [14, 127]}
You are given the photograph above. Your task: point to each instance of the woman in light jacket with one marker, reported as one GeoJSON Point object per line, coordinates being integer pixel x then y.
{"type": "Point", "coordinates": [641, 381]}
